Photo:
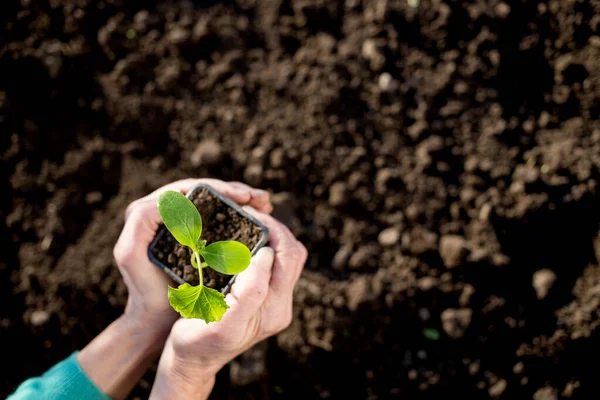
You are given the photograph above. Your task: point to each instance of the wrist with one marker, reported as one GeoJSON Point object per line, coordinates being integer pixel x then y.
{"type": "Point", "coordinates": [177, 378]}
{"type": "Point", "coordinates": [118, 357]}
{"type": "Point", "coordinates": [153, 328]}
{"type": "Point", "coordinates": [149, 334]}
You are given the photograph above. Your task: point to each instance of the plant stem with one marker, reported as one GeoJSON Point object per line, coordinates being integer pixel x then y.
{"type": "Point", "coordinates": [197, 255]}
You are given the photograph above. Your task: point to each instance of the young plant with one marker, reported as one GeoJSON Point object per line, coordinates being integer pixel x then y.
{"type": "Point", "coordinates": [182, 219]}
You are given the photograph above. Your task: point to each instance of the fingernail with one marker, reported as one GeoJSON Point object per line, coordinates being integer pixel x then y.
{"type": "Point", "coordinates": [249, 209]}
{"type": "Point", "coordinates": [265, 257]}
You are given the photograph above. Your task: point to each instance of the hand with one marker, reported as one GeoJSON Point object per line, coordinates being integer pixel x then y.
{"type": "Point", "coordinates": [260, 306]}
{"type": "Point", "coordinates": [117, 358]}
{"type": "Point", "coordinates": [147, 285]}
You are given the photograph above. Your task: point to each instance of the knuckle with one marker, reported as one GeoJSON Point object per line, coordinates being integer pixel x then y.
{"type": "Point", "coordinates": [135, 213]}
{"type": "Point", "coordinates": [303, 252]}
{"type": "Point", "coordinates": [121, 254]}
{"type": "Point", "coordinates": [218, 336]}
{"type": "Point", "coordinates": [296, 254]}
{"type": "Point", "coordinates": [130, 208]}
{"type": "Point", "coordinates": [287, 319]}
{"type": "Point", "coordinates": [186, 181]}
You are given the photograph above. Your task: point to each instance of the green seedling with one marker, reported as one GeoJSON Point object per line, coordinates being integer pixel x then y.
{"type": "Point", "coordinates": [182, 219]}
{"type": "Point", "coordinates": [431, 334]}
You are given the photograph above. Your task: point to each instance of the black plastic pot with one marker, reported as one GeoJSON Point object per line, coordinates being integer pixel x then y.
{"type": "Point", "coordinates": [230, 203]}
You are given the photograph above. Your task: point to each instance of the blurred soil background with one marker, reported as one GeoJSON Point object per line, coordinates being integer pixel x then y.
{"type": "Point", "coordinates": [440, 160]}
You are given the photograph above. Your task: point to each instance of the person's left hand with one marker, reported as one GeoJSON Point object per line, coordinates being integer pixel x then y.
{"type": "Point", "coordinates": [260, 305]}
{"type": "Point", "coordinates": [148, 305]}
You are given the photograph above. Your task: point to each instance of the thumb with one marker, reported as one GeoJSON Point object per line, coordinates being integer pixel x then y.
{"type": "Point", "coordinates": [251, 287]}
{"type": "Point", "coordinates": [138, 231]}
{"type": "Point", "coordinates": [143, 221]}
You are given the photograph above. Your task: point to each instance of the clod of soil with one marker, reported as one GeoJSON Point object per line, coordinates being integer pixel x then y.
{"type": "Point", "coordinates": [542, 282]}
{"type": "Point", "coordinates": [220, 222]}
{"type": "Point", "coordinates": [453, 250]}
{"type": "Point", "coordinates": [456, 321]}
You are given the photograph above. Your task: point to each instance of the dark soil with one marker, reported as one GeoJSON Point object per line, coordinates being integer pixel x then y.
{"type": "Point", "coordinates": [220, 222]}
{"type": "Point", "coordinates": [441, 163]}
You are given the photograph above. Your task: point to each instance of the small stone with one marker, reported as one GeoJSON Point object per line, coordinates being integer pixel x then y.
{"type": "Point", "coordinates": [502, 10]}
{"type": "Point", "coordinates": [371, 52]}
{"type": "Point", "coordinates": [544, 119]}
{"type": "Point", "coordinates": [595, 41]}
{"type": "Point", "coordinates": [207, 152]}
{"type": "Point", "coordinates": [253, 174]}
{"type": "Point", "coordinates": [518, 368]}
{"type": "Point", "coordinates": [276, 157]}
{"type": "Point", "coordinates": [465, 296]}
{"type": "Point", "coordinates": [338, 195]}
{"type": "Point", "coordinates": [497, 389]}
{"type": "Point", "coordinates": [422, 241]}
{"type": "Point", "coordinates": [386, 83]}
{"type": "Point", "coordinates": [220, 217]}
{"type": "Point", "coordinates": [389, 237]}
{"type": "Point", "coordinates": [542, 281]}
{"type": "Point", "coordinates": [178, 35]}
{"type": "Point", "coordinates": [93, 197]}
{"type": "Point", "coordinates": [474, 368]}
{"type": "Point", "coordinates": [456, 321]}
{"type": "Point", "coordinates": [560, 94]}
{"type": "Point", "coordinates": [545, 393]}
{"type": "Point", "coordinates": [200, 29]}
{"type": "Point", "coordinates": [362, 256]}
{"type": "Point", "coordinates": [424, 314]}
{"type": "Point", "coordinates": [39, 317]}
{"type": "Point", "coordinates": [340, 259]}
{"type": "Point", "coordinates": [453, 250]}
{"type": "Point", "coordinates": [416, 129]}
{"type": "Point", "coordinates": [53, 63]}
{"type": "Point", "coordinates": [357, 292]}
{"type": "Point", "coordinates": [426, 283]}
{"type": "Point", "coordinates": [484, 213]}
{"type": "Point", "coordinates": [369, 49]}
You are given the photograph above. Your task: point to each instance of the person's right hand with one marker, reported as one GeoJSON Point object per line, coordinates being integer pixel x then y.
{"type": "Point", "coordinates": [260, 306]}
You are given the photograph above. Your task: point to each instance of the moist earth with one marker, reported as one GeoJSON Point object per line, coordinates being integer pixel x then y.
{"type": "Point", "coordinates": [219, 222]}
{"type": "Point", "coordinates": [439, 159]}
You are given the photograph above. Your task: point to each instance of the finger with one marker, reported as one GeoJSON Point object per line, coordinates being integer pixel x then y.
{"type": "Point", "coordinates": [290, 255]}
{"type": "Point", "coordinates": [260, 199]}
{"type": "Point", "coordinates": [251, 286]}
{"type": "Point", "coordinates": [280, 237]}
{"type": "Point", "coordinates": [238, 194]}
{"type": "Point", "coordinates": [142, 222]}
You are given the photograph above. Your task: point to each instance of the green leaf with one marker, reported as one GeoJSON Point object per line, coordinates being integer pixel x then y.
{"type": "Point", "coordinates": [198, 302]}
{"type": "Point", "coordinates": [181, 217]}
{"type": "Point", "coordinates": [228, 257]}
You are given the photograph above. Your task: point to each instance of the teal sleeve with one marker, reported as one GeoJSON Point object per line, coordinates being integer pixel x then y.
{"type": "Point", "coordinates": [64, 381]}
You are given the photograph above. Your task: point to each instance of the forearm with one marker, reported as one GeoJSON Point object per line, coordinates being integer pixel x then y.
{"type": "Point", "coordinates": [176, 380]}
{"type": "Point", "coordinates": [117, 358]}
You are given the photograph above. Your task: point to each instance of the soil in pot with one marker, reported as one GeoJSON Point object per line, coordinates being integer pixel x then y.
{"type": "Point", "coordinates": [220, 222]}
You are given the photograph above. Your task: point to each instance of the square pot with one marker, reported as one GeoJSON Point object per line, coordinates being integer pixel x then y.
{"type": "Point", "coordinates": [218, 214]}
